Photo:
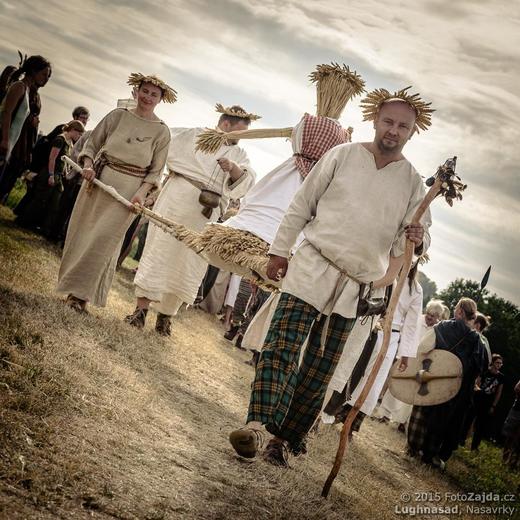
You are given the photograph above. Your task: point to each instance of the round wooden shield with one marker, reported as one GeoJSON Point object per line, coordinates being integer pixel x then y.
{"type": "Point", "coordinates": [432, 378]}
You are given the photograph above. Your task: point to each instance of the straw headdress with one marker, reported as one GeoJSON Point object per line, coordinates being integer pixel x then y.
{"type": "Point", "coordinates": [372, 104]}
{"type": "Point", "coordinates": [236, 111]}
{"type": "Point", "coordinates": [136, 79]}
{"type": "Point", "coordinates": [335, 86]}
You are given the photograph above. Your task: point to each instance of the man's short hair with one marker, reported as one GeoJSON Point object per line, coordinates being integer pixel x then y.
{"type": "Point", "coordinates": [235, 119]}
{"type": "Point", "coordinates": [80, 110]}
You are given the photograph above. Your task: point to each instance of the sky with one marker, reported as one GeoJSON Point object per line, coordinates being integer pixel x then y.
{"type": "Point", "coordinates": [463, 56]}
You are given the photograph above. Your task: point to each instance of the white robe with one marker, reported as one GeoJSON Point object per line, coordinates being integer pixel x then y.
{"type": "Point", "coordinates": [167, 267]}
{"type": "Point", "coordinates": [264, 206]}
{"type": "Point", "coordinates": [406, 319]}
{"type": "Point", "coordinates": [391, 407]}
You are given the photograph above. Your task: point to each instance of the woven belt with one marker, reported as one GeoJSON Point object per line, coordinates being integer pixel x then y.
{"type": "Point", "coordinates": [119, 166]}
{"type": "Point", "coordinates": [343, 279]}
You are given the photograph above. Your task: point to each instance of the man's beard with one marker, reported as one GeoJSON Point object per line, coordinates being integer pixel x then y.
{"type": "Point", "coordinates": [232, 141]}
{"type": "Point", "coordinates": [383, 148]}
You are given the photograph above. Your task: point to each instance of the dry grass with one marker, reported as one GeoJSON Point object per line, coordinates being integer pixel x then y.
{"type": "Point", "coordinates": [98, 420]}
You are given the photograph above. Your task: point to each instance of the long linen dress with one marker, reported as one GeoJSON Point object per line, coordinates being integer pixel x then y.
{"type": "Point", "coordinates": [170, 273]}
{"type": "Point", "coordinates": [98, 222]}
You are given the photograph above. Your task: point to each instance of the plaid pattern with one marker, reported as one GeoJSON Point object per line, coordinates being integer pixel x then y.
{"type": "Point", "coordinates": [417, 430]}
{"type": "Point", "coordinates": [285, 397]}
{"type": "Point", "coordinates": [320, 134]}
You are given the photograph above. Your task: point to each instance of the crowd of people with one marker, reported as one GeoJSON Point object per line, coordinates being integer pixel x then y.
{"type": "Point", "coordinates": [316, 339]}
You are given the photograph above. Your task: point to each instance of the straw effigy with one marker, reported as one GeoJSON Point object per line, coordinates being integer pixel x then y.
{"type": "Point", "coordinates": [335, 86]}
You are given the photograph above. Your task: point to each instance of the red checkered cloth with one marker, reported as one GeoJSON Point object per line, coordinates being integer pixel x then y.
{"type": "Point", "coordinates": [320, 134]}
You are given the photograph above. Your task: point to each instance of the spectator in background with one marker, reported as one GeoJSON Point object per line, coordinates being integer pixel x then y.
{"type": "Point", "coordinates": [43, 209]}
{"type": "Point", "coordinates": [511, 433]}
{"type": "Point", "coordinates": [4, 80]}
{"type": "Point", "coordinates": [488, 390]}
{"type": "Point", "coordinates": [482, 323]}
{"type": "Point", "coordinates": [81, 114]}
{"type": "Point", "coordinates": [435, 430]}
{"type": "Point", "coordinates": [19, 120]}
{"type": "Point", "coordinates": [39, 162]}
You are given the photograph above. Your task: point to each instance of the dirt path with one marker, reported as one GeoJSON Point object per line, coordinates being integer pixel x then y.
{"type": "Point", "coordinates": [101, 421]}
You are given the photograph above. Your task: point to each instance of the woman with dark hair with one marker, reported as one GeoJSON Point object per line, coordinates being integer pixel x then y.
{"type": "Point", "coordinates": [4, 80]}
{"type": "Point", "coordinates": [42, 211]}
{"type": "Point", "coordinates": [127, 150]}
{"type": "Point", "coordinates": [19, 119]}
{"type": "Point", "coordinates": [435, 430]}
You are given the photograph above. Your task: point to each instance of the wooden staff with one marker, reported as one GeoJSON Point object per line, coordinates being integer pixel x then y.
{"type": "Point", "coordinates": [445, 183]}
{"type": "Point", "coordinates": [177, 230]}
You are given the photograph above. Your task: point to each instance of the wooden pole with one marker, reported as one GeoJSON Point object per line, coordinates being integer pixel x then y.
{"type": "Point", "coordinates": [387, 331]}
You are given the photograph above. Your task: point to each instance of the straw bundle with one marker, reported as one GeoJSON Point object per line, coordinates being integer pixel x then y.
{"type": "Point", "coordinates": [210, 140]}
{"type": "Point", "coordinates": [236, 248]}
{"type": "Point", "coordinates": [335, 86]}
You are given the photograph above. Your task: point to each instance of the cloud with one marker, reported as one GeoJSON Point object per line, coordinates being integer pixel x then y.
{"type": "Point", "coordinates": [464, 56]}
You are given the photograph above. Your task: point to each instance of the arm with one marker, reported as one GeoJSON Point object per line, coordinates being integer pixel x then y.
{"type": "Point", "coordinates": [155, 169]}
{"type": "Point", "coordinates": [394, 266]}
{"type": "Point", "coordinates": [210, 141]}
{"type": "Point", "coordinates": [498, 395]}
{"type": "Point", "coordinates": [96, 141]}
{"type": "Point", "coordinates": [241, 178]}
{"type": "Point", "coordinates": [422, 241]}
{"type": "Point", "coordinates": [301, 211]}
{"type": "Point", "coordinates": [303, 206]}
{"type": "Point", "coordinates": [52, 164]}
{"type": "Point", "coordinates": [12, 98]}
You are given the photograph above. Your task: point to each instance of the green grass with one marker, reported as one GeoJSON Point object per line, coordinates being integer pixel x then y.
{"type": "Point", "coordinates": [484, 470]}
{"type": "Point", "coordinates": [16, 193]}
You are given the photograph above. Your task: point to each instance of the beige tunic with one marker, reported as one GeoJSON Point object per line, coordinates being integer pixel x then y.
{"type": "Point", "coordinates": [98, 223]}
{"type": "Point", "coordinates": [355, 215]}
{"type": "Point", "coordinates": [167, 267]}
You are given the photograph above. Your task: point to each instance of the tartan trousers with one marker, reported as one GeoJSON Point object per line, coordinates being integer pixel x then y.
{"type": "Point", "coordinates": [288, 397]}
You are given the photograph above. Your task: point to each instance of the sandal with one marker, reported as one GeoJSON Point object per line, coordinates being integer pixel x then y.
{"type": "Point", "coordinates": [137, 318]}
{"type": "Point", "coordinates": [277, 453]}
{"type": "Point", "coordinates": [76, 304]}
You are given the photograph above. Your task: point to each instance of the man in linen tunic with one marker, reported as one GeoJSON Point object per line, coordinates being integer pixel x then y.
{"type": "Point", "coordinates": [170, 273]}
{"type": "Point", "coordinates": [355, 212]}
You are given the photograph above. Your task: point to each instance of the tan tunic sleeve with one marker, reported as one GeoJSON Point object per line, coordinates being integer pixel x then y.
{"type": "Point", "coordinates": [417, 197]}
{"type": "Point", "coordinates": [100, 134]}
{"type": "Point", "coordinates": [303, 206]}
{"type": "Point", "coordinates": [160, 154]}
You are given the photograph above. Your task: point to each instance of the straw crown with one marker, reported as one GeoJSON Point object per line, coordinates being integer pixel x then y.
{"type": "Point", "coordinates": [236, 111]}
{"type": "Point", "coordinates": [375, 99]}
{"type": "Point", "coordinates": [136, 79]}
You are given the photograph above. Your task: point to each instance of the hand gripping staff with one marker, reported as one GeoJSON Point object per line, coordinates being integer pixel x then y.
{"type": "Point", "coordinates": [447, 184]}
{"type": "Point", "coordinates": [177, 230]}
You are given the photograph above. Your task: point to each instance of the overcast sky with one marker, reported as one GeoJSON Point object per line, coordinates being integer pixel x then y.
{"type": "Point", "coordinates": [462, 55]}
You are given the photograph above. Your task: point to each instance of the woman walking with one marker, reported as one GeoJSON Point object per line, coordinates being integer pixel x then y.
{"type": "Point", "coordinates": [126, 150]}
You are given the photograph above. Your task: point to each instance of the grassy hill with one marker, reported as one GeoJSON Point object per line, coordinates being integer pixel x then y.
{"type": "Point", "coordinates": [98, 420]}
